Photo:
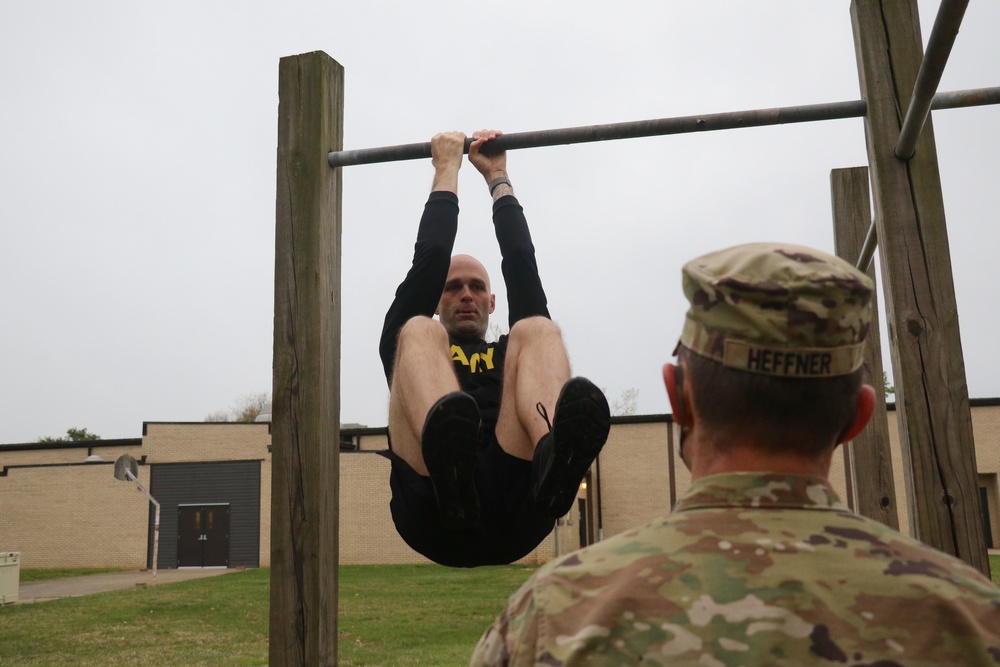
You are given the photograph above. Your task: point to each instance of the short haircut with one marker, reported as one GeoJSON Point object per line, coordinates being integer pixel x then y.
{"type": "Point", "coordinates": [805, 415]}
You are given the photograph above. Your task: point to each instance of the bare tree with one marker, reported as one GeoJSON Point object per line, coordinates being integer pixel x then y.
{"type": "Point", "coordinates": [626, 403]}
{"type": "Point", "coordinates": [247, 407]}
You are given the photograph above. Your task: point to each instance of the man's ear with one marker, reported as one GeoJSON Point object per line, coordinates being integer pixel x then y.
{"type": "Point", "coordinates": [493, 303]}
{"type": "Point", "coordinates": [866, 407]}
{"type": "Point", "coordinates": [681, 412]}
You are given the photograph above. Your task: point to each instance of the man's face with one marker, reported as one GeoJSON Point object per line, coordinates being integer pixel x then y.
{"type": "Point", "coordinates": [466, 302]}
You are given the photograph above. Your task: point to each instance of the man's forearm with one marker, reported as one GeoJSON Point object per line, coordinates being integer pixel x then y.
{"type": "Point", "coordinates": [446, 178]}
{"type": "Point", "coordinates": [446, 156]}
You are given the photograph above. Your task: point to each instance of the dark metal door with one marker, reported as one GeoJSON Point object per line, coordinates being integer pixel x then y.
{"type": "Point", "coordinates": [216, 541]}
{"type": "Point", "coordinates": [984, 503]}
{"type": "Point", "coordinates": [189, 536]}
{"type": "Point", "coordinates": [202, 535]}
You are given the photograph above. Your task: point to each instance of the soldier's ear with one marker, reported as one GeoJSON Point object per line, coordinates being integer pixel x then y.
{"type": "Point", "coordinates": [866, 407]}
{"type": "Point", "coordinates": [673, 380]}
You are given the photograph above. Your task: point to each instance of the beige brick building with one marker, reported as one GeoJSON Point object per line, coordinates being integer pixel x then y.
{"type": "Point", "coordinates": [213, 484]}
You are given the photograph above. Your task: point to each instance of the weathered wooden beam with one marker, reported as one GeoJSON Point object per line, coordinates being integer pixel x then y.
{"type": "Point", "coordinates": [929, 368]}
{"type": "Point", "coordinates": [306, 401]}
{"type": "Point", "coordinates": [870, 455]}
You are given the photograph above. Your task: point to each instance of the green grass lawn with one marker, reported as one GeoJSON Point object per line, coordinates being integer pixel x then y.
{"type": "Point", "coordinates": [419, 614]}
{"type": "Point", "coordinates": [390, 616]}
{"type": "Point", "coordinates": [44, 574]}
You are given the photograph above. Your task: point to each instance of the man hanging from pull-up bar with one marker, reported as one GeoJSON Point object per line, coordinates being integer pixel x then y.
{"type": "Point", "coordinates": [488, 441]}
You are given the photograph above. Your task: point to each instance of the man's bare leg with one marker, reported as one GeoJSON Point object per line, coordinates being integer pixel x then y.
{"type": "Point", "coordinates": [433, 426]}
{"type": "Point", "coordinates": [535, 370]}
{"type": "Point", "coordinates": [421, 375]}
{"type": "Point", "coordinates": [537, 389]}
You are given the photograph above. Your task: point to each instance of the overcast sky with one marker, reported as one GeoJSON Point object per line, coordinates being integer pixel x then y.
{"type": "Point", "coordinates": [137, 175]}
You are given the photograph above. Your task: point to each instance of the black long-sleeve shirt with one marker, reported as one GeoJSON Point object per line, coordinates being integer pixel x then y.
{"type": "Point", "coordinates": [478, 364]}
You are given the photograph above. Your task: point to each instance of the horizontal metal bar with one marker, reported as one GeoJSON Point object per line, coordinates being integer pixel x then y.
{"type": "Point", "coordinates": [612, 131]}
{"type": "Point", "coordinates": [939, 44]}
{"type": "Point", "coordinates": [663, 126]}
{"type": "Point", "coordinates": [973, 97]}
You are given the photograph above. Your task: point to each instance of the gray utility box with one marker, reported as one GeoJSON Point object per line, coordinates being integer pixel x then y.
{"type": "Point", "coordinates": [10, 576]}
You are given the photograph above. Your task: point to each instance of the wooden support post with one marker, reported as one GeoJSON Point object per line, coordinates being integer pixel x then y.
{"type": "Point", "coordinates": [869, 454]}
{"type": "Point", "coordinates": [929, 369]}
{"type": "Point", "coordinates": [306, 402]}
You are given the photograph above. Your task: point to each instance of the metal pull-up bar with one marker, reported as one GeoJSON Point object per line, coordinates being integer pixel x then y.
{"type": "Point", "coordinates": [612, 131]}
{"type": "Point", "coordinates": [946, 25]}
{"type": "Point", "coordinates": [660, 127]}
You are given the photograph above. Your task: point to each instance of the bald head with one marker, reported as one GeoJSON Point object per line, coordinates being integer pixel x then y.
{"type": "Point", "coordinates": [466, 301]}
{"type": "Point", "coordinates": [467, 264]}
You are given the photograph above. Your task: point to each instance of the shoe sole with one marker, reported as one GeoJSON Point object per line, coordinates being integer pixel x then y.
{"type": "Point", "coordinates": [450, 443]}
{"type": "Point", "coordinates": [580, 428]}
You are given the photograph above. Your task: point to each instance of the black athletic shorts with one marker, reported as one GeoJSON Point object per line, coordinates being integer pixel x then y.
{"type": "Point", "coordinates": [508, 526]}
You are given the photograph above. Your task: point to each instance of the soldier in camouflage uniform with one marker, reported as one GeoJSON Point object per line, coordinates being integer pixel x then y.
{"type": "Point", "coordinates": [759, 563]}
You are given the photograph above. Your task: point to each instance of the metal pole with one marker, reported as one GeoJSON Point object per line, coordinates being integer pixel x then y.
{"type": "Point", "coordinates": [612, 131]}
{"type": "Point", "coordinates": [156, 537]}
{"type": "Point", "coordinates": [663, 126]}
{"type": "Point", "coordinates": [949, 19]}
{"type": "Point", "coordinates": [868, 249]}
{"type": "Point", "coordinates": [973, 97]}
{"type": "Point", "coordinates": [156, 518]}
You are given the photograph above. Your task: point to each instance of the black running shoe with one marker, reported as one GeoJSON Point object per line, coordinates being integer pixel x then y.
{"type": "Point", "coordinates": [450, 442]}
{"type": "Point", "coordinates": [576, 435]}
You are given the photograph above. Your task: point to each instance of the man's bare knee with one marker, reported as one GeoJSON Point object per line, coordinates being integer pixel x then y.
{"type": "Point", "coordinates": [534, 327]}
{"type": "Point", "coordinates": [422, 331]}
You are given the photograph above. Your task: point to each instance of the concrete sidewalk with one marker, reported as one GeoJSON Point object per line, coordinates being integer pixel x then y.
{"type": "Point", "coordinates": [53, 589]}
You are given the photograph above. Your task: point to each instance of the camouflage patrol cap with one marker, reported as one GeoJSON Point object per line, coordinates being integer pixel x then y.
{"type": "Point", "coordinates": [777, 309]}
